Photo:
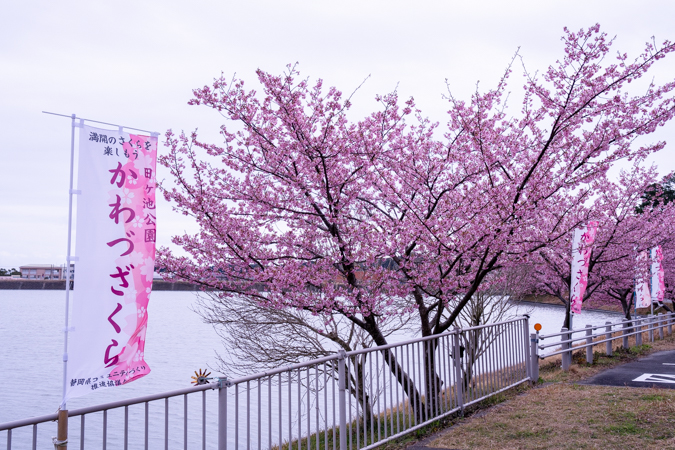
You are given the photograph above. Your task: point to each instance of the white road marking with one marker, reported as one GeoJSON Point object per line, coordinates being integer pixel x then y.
{"type": "Point", "coordinates": [656, 378]}
{"type": "Point", "coordinates": [669, 364]}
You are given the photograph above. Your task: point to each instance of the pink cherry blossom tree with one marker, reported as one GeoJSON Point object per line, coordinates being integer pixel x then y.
{"type": "Point", "coordinates": [303, 208]}
{"type": "Point", "coordinates": [624, 229]}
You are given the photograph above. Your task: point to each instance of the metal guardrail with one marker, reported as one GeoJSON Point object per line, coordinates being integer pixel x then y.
{"type": "Point", "coordinates": [661, 323]}
{"type": "Point", "coordinates": [350, 400]}
{"type": "Point", "coordinates": [104, 408]}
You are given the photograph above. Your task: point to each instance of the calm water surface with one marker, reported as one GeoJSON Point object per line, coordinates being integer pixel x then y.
{"type": "Point", "coordinates": [178, 343]}
{"type": "Point", "coordinates": [31, 367]}
{"type": "Point", "coordinates": [31, 349]}
{"type": "Point", "coordinates": [551, 317]}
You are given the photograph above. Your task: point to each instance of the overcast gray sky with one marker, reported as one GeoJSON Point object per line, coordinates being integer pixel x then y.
{"type": "Point", "coordinates": [135, 63]}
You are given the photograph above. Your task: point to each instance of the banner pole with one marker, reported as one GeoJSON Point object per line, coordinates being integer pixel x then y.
{"type": "Point", "coordinates": [634, 303]}
{"type": "Point", "coordinates": [568, 311]}
{"type": "Point", "coordinates": [71, 192]}
{"type": "Point", "coordinates": [651, 278]}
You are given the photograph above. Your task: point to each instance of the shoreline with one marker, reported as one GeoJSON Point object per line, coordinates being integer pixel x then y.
{"type": "Point", "coordinates": [60, 285]}
{"type": "Point", "coordinates": [612, 308]}
{"type": "Point", "coordinates": [531, 302]}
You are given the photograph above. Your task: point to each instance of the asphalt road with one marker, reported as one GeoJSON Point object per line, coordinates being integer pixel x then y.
{"type": "Point", "coordinates": [656, 370]}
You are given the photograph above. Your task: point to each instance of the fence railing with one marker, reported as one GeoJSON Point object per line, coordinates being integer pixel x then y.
{"type": "Point", "coordinates": [564, 345]}
{"type": "Point", "coordinates": [350, 400]}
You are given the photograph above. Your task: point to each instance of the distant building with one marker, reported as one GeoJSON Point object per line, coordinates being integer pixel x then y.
{"type": "Point", "coordinates": [45, 272]}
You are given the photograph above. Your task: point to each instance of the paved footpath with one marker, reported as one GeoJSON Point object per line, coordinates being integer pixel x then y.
{"type": "Point", "coordinates": [656, 370]}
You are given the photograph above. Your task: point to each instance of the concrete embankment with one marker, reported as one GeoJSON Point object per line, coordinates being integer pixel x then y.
{"type": "Point", "coordinates": [60, 285]}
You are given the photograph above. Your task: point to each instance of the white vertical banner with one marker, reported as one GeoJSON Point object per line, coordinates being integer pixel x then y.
{"type": "Point", "coordinates": [642, 295]}
{"type": "Point", "coordinates": [582, 243]}
{"type": "Point", "coordinates": [658, 283]}
{"type": "Point", "coordinates": [115, 247]}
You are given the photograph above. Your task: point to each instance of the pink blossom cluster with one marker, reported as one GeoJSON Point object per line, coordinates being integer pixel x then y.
{"type": "Point", "coordinates": [300, 207]}
{"type": "Point", "coordinates": [623, 234]}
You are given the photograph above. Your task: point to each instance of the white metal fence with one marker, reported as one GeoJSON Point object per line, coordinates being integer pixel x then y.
{"type": "Point", "coordinates": [350, 400]}
{"type": "Point", "coordinates": [563, 343]}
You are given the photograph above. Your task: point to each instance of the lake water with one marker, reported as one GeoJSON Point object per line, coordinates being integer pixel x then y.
{"type": "Point", "coordinates": [178, 343]}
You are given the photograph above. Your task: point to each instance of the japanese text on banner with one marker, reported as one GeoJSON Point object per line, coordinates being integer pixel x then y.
{"type": "Point", "coordinates": [116, 228]}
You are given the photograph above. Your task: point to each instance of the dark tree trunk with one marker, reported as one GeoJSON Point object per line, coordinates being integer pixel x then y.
{"type": "Point", "coordinates": [401, 375]}
{"type": "Point", "coordinates": [626, 304]}
{"type": "Point", "coordinates": [568, 315]}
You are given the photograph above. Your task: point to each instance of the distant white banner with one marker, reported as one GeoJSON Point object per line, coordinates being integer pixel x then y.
{"type": "Point", "coordinates": [582, 243]}
{"type": "Point", "coordinates": [658, 284]}
{"type": "Point", "coordinates": [115, 246]}
{"type": "Point", "coordinates": [643, 297]}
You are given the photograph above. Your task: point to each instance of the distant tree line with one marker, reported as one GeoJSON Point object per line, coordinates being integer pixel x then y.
{"type": "Point", "coordinates": [9, 272]}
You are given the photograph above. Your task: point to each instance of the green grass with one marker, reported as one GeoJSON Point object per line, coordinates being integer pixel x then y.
{"type": "Point", "coordinates": [572, 416]}
{"type": "Point", "coordinates": [393, 421]}
{"type": "Point", "coordinates": [653, 398]}
{"type": "Point", "coordinates": [623, 428]}
{"type": "Point", "coordinates": [402, 413]}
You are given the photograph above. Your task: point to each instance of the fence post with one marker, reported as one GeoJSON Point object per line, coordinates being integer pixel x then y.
{"type": "Point", "coordinates": [528, 362]}
{"type": "Point", "coordinates": [342, 400]}
{"type": "Point", "coordinates": [223, 384]}
{"type": "Point", "coordinates": [608, 335]}
{"type": "Point", "coordinates": [534, 357]}
{"type": "Point", "coordinates": [458, 370]}
{"type": "Point", "coordinates": [589, 343]}
{"type": "Point", "coordinates": [61, 440]}
{"type": "Point", "coordinates": [566, 356]}
{"type": "Point", "coordinates": [650, 325]}
{"type": "Point", "coordinates": [638, 336]}
{"type": "Point", "coordinates": [660, 316]}
{"type": "Point", "coordinates": [670, 323]}
{"type": "Point", "coordinates": [626, 345]}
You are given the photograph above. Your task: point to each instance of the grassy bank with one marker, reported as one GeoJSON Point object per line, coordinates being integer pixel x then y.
{"type": "Point", "coordinates": [561, 414]}
{"type": "Point", "coordinates": [557, 413]}
{"type": "Point", "coordinates": [572, 416]}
